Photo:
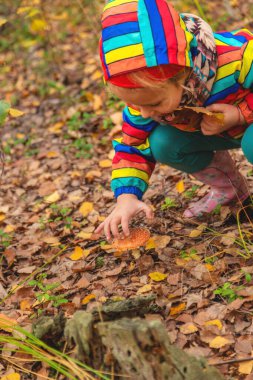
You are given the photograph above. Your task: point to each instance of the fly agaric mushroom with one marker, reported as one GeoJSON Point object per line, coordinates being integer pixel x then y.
{"type": "Point", "coordinates": [137, 238]}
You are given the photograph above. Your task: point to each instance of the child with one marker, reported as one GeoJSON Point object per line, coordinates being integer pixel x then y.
{"type": "Point", "coordinates": [158, 61]}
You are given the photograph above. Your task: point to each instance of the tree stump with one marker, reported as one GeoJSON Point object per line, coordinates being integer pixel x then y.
{"type": "Point", "coordinates": [130, 347]}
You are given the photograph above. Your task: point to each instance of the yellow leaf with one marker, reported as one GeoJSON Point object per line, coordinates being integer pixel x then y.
{"type": "Point", "coordinates": [20, 135]}
{"type": "Point", "coordinates": [52, 198]}
{"type": "Point", "coordinates": [86, 208]}
{"type": "Point", "coordinates": [188, 328]}
{"type": "Point", "coordinates": [9, 228]}
{"type": "Point", "coordinates": [28, 43]}
{"type": "Point", "coordinates": [219, 342]}
{"type": "Point", "coordinates": [52, 240]}
{"type": "Point", "coordinates": [2, 21]}
{"type": "Point", "coordinates": [74, 174]}
{"type": "Point", "coordinates": [150, 244]}
{"type": "Point", "coordinates": [180, 187]}
{"type": "Point", "coordinates": [105, 163]}
{"type": "Point", "coordinates": [23, 10]}
{"type": "Point", "coordinates": [144, 289]}
{"type": "Point", "coordinates": [92, 173]}
{"type": "Point", "coordinates": [52, 154]}
{"type": "Point", "coordinates": [246, 367]}
{"type": "Point", "coordinates": [177, 309]}
{"type": "Point", "coordinates": [157, 276]}
{"type": "Point", "coordinates": [161, 241]}
{"type": "Point", "coordinates": [210, 267]}
{"type": "Point", "coordinates": [38, 25]}
{"type": "Point", "coordinates": [56, 128]}
{"type": "Point", "coordinates": [88, 298]}
{"type": "Point", "coordinates": [198, 231]}
{"type": "Point", "coordinates": [86, 252]}
{"type": "Point", "coordinates": [25, 305]}
{"type": "Point", "coordinates": [6, 323]}
{"type": "Point", "coordinates": [11, 376]}
{"type": "Point", "coordinates": [97, 102]}
{"type": "Point", "coordinates": [84, 235]}
{"type": "Point", "coordinates": [214, 322]}
{"type": "Point", "coordinates": [77, 254]}
{"type": "Point", "coordinates": [2, 217]}
{"type": "Point", "coordinates": [15, 113]}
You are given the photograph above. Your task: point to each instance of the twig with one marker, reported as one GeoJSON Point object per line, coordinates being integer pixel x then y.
{"type": "Point", "coordinates": [232, 361]}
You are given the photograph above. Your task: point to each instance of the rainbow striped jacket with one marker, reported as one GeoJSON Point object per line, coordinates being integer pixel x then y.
{"type": "Point", "coordinates": [133, 162]}
{"type": "Point", "coordinates": [147, 33]}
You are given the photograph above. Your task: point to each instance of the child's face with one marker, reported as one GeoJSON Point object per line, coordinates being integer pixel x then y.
{"type": "Point", "coordinates": [152, 102]}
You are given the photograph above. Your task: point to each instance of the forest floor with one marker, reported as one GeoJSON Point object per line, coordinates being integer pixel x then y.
{"type": "Point", "coordinates": [55, 190]}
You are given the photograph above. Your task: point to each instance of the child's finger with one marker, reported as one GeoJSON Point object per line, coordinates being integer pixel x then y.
{"type": "Point", "coordinates": [125, 226]}
{"type": "Point", "coordinates": [114, 226]}
{"type": "Point", "coordinates": [107, 230]}
{"type": "Point", "coordinates": [100, 228]}
{"type": "Point", "coordinates": [149, 212]}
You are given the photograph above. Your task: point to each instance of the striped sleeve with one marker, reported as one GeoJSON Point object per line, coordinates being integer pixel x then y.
{"type": "Point", "coordinates": [133, 162]}
{"type": "Point", "coordinates": [246, 80]}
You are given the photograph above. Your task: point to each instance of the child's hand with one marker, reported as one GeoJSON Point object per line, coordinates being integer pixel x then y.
{"type": "Point", "coordinates": [127, 206]}
{"type": "Point", "coordinates": [232, 117]}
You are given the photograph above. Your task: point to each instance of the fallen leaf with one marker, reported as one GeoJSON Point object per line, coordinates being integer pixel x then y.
{"type": "Point", "coordinates": [188, 328]}
{"type": "Point", "coordinates": [51, 240]}
{"type": "Point", "coordinates": [15, 113]}
{"type": "Point", "coordinates": [11, 376]}
{"type": "Point", "coordinates": [2, 217]}
{"type": "Point", "coordinates": [86, 208]}
{"type": "Point", "coordinates": [150, 244]}
{"type": "Point", "coordinates": [198, 231]}
{"type": "Point", "coordinates": [88, 298]}
{"type": "Point", "coordinates": [214, 322]}
{"type": "Point", "coordinates": [84, 235]}
{"type": "Point", "coordinates": [144, 289]}
{"type": "Point", "coordinates": [177, 309]}
{"type": "Point", "coordinates": [2, 21]}
{"type": "Point", "coordinates": [77, 254]}
{"type": "Point", "coordinates": [56, 128]}
{"type": "Point", "coordinates": [105, 163]}
{"type": "Point", "coordinates": [180, 187]}
{"type": "Point", "coordinates": [52, 198]}
{"type": "Point", "coordinates": [246, 367]}
{"type": "Point", "coordinates": [219, 342]}
{"type": "Point", "coordinates": [25, 304]}
{"type": "Point", "coordinates": [157, 276]}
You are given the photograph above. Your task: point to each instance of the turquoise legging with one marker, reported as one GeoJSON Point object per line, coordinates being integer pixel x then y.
{"type": "Point", "coordinates": [192, 151]}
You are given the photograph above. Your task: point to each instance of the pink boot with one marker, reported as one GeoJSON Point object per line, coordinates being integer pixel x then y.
{"type": "Point", "coordinates": [227, 184]}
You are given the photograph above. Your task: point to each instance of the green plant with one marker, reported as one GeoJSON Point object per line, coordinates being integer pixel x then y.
{"type": "Point", "coordinates": [25, 342]}
{"type": "Point", "coordinates": [210, 260]}
{"type": "Point", "coordinates": [4, 109]}
{"type": "Point", "coordinates": [189, 194]}
{"type": "Point", "coordinates": [228, 292]}
{"type": "Point", "coordinates": [247, 276]}
{"type": "Point", "coordinates": [78, 120]}
{"type": "Point", "coordinates": [46, 291]}
{"type": "Point", "coordinates": [188, 254]}
{"type": "Point", "coordinates": [100, 262]}
{"type": "Point", "coordinates": [83, 148]}
{"type": "Point", "coordinates": [5, 239]}
{"type": "Point", "coordinates": [168, 203]}
{"type": "Point", "coordinates": [57, 213]}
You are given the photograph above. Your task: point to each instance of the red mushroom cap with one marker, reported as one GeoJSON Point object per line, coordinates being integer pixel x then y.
{"type": "Point", "coordinates": [137, 238]}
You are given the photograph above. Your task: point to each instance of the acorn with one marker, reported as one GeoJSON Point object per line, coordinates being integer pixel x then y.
{"type": "Point", "coordinates": [138, 237]}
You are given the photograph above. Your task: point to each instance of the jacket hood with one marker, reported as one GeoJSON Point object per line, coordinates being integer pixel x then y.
{"type": "Point", "coordinates": [143, 33]}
